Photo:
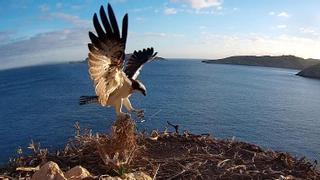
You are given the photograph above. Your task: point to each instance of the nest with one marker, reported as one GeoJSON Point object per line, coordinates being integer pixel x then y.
{"type": "Point", "coordinates": [192, 156]}
{"type": "Point", "coordinates": [166, 155]}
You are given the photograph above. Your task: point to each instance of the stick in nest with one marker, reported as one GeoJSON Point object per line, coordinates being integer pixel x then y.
{"type": "Point", "coordinates": [176, 127]}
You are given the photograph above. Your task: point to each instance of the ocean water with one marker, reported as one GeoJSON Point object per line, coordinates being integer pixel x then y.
{"type": "Point", "coordinates": [270, 107]}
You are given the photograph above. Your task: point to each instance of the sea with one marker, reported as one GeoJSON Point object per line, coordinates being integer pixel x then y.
{"type": "Point", "coordinates": [270, 107]}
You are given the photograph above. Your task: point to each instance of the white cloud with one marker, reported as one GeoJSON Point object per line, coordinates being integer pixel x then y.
{"type": "Point", "coordinates": [307, 30]}
{"type": "Point", "coordinates": [170, 11]}
{"type": "Point", "coordinates": [284, 14]}
{"type": "Point", "coordinates": [77, 6]}
{"type": "Point", "coordinates": [59, 5]}
{"type": "Point", "coordinates": [137, 10]}
{"type": "Point", "coordinates": [70, 45]}
{"type": "Point", "coordinates": [6, 37]}
{"type": "Point", "coordinates": [212, 45]}
{"type": "Point", "coordinates": [118, 1]}
{"type": "Point", "coordinates": [215, 45]}
{"type": "Point", "coordinates": [162, 34]}
{"type": "Point", "coordinates": [272, 13]}
{"type": "Point", "coordinates": [282, 26]}
{"type": "Point", "coordinates": [202, 27]}
{"type": "Point", "coordinates": [57, 46]}
{"type": "Point", "coordinates": [206, 12]}
{"type": "Point", "coordinates": [200, 4]}
{"type": "Point", "coordinates": [310, 32]}
{"type": "Point", "coordinates": [155, 34]}
{"type": "Point", "coordinates": [140, 19]}
{"type": "Point", "coordinates": [44, 8]}
{"type": "Point", "coordinates": [74, 20]}
{"type": "Point", "coordinates": [280, 14]}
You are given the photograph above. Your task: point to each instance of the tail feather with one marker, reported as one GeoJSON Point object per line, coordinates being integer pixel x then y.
{"type": "Point", "coordinates": [88, 100]}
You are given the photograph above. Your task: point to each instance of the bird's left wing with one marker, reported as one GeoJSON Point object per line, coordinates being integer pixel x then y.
{"type": "Point", "coordinates": [136, 61]}
{"type": "Point", "coordinates": [107, 52]}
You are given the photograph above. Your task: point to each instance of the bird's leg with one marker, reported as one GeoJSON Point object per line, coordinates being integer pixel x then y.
{"type": "Point", "coordinates": [118, 109]}
{"type": "Point", "coordinates": [128, 106]}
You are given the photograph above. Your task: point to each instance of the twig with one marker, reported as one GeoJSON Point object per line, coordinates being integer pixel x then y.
{"type": "Point", "coordinates": [6, 176]}
{"type": "Point", "coordinates": [237, 167]}
{"type": "Point", "coordinates": [28, 168]}
{"type": "Point", "coordinates": [183, 171]}
{"type": "Point", "coordinates": [176, 127]}
{"type": "Point", "coordinates": [154, 114]}
{"type": "Point", "coordinates": [155, 174]}
{"type": "Point", "coordinates": [222, 163]}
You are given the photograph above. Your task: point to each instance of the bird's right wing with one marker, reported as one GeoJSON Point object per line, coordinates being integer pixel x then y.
{"type": "Point", "coordinates": [107, 52]}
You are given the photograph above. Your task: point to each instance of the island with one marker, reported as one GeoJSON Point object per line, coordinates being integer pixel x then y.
{"type": "Point", "coordinates": [285, 61]}
{"type": "Point", "coordinates": [159, 58]}
{"type": "Point", "coordinates": [311, 72]}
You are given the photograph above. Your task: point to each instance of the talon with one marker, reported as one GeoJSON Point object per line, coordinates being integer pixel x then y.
{"type": "Point", "coordinates": [127, 115]}
{"type": "Point", "coordinates": [139, 113]}
{"type": "Point", "coordinates": [124, 116]}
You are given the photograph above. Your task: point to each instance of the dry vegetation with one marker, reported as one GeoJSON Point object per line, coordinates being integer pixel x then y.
{"type": "Point", "coordinates": [165, 155]}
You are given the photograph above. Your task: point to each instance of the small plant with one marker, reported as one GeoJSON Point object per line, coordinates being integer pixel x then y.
{"type": "Point", "coordinates": [122, 171]}
{"type": "Point", "coordinates": [19, 151]}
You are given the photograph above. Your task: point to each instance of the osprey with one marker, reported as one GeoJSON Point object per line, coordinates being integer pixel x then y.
{"type": "Point", "coordinates": [114, 78]}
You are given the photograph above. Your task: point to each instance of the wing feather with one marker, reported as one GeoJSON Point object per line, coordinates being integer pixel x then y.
{"type": "Point", "coordinates": [137, 60]}
{"type": "Point", "coordinates": [105, 21]}
{"type": "Point", "coordinates": [125, 28]}
{"type": "Point", "coordinates": [98, 27]}
{"type": "Point", "coordinates": [106, 54]}
{"type": "Point", "coordinates": [113, 22]}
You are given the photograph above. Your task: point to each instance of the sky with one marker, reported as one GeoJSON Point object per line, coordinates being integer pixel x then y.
{"type": "Point", "coordinates": [39, 32]}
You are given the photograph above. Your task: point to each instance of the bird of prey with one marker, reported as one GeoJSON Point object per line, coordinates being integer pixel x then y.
{"type": "Point", "coordinates": [115, 78]}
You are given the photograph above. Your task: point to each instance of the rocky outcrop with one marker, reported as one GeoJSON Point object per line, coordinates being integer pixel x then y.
{"type": "Point", "coordinates": [311, 72]}
{"type": "Point", "coordinates": [129, 176]}
{"type": "Point", "coordinates": [51, 170]}
{"type": "Point", "coordinates": [76, 173]}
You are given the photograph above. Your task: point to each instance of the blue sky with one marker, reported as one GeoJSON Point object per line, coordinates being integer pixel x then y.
{"type": "Point", "coordinates": [38, 32]}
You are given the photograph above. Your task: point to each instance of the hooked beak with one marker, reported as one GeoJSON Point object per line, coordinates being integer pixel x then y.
{"type": "Point", "coordinates": [143, 92]}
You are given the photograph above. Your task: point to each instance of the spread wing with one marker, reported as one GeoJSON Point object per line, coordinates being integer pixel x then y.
{"type": "Point", "coordinates": [136, 61]}
{"type": "Point", "coordinates": [106, 54]}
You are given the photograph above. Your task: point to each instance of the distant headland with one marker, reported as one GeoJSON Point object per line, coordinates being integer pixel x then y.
{"type": "Point", "coordinates": [285, 61]}
{"type": "Point", "coordinates": [311, 72]}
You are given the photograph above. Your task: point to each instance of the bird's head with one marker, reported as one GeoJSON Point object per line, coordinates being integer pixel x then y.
{"type": "Point", "coordinates": [138, 86]}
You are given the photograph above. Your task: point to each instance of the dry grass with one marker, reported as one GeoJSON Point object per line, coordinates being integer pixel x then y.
{"type": "Point", "coordinates": [166, 156]}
